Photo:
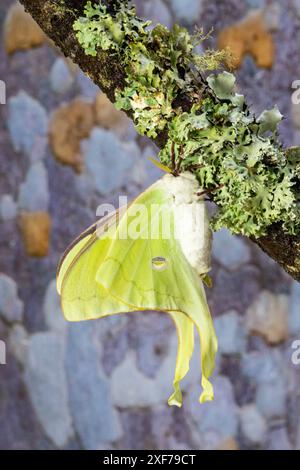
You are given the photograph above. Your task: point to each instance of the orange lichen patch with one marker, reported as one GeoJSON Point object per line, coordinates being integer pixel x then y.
{"type": "Point", "coordinates": [249, 36]}
{"type": "Point", "coordinates": [68, 126]}
{"type": "Point", "coordinates": [21, 31]}
{"type": "Point", "coordinates": [229, 444]}
{"type": "Point", "coordinates": [107, 116]}
{"type": "Point", "coordinates": [268, 317]}
{"type": "Point", "coordinates": [35, 231]}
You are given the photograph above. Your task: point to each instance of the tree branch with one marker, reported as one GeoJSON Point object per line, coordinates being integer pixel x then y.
{"type": "Point", "coordinates": [56, 18]}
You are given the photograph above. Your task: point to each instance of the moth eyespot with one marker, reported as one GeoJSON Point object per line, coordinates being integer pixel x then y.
{"type": "Point", "coordinates": [159, 263]}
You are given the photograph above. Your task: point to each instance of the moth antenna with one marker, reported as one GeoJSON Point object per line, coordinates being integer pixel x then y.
{"type": "Point", "coordinates": [180, 160]}
{"type": "Point", "coordinates": [196, 166]}
{"type": "Point", "coordinates": [173, 157]}
{"type": "Point", "coordinates": [208, 191]}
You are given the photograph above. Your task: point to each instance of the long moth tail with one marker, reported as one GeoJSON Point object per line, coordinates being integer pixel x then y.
{"type": "Point", "coordinates": [185, 333]}
{"type": "Point", "coordinates": [209, 346]}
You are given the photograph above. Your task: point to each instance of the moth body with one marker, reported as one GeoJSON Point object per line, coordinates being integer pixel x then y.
{"type": "Point", "coordinates": [191, 220]}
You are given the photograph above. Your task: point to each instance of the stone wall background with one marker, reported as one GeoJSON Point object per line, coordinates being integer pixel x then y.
{"type": "Point", "coordinates": [104, 384]}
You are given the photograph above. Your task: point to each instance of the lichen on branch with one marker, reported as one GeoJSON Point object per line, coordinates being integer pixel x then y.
{"type": "Point", "coordinates": [253, 181]}
{"type": "Point", "coordinates": [236, 157]}
{"type": "Point", "coordinates": [157, 62]}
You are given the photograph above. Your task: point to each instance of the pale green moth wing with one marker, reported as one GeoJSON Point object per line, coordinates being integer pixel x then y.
{"type": "Point", "coordinates": [82, 298]}
{"type": "Point", "coordinates": [118, 272]}
{"type": "Point", "coordinates": [129, 276]}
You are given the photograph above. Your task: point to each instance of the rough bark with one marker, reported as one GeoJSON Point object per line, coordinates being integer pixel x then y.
{"type": "Point", "coordinates": [56, 18]}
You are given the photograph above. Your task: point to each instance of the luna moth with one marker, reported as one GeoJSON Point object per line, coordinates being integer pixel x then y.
{"type": "Point", "coordinates": [150, 255]}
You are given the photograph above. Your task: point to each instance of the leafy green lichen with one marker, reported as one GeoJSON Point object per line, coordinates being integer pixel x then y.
{"type": "Point", "coordinates": [252, 179]}
{"type": "Point", "coordinates": [235, 156]}
{"type": "Point", "coordinates": [157, 62]}
{"type": "Point", "coordinates": [98, 29]}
